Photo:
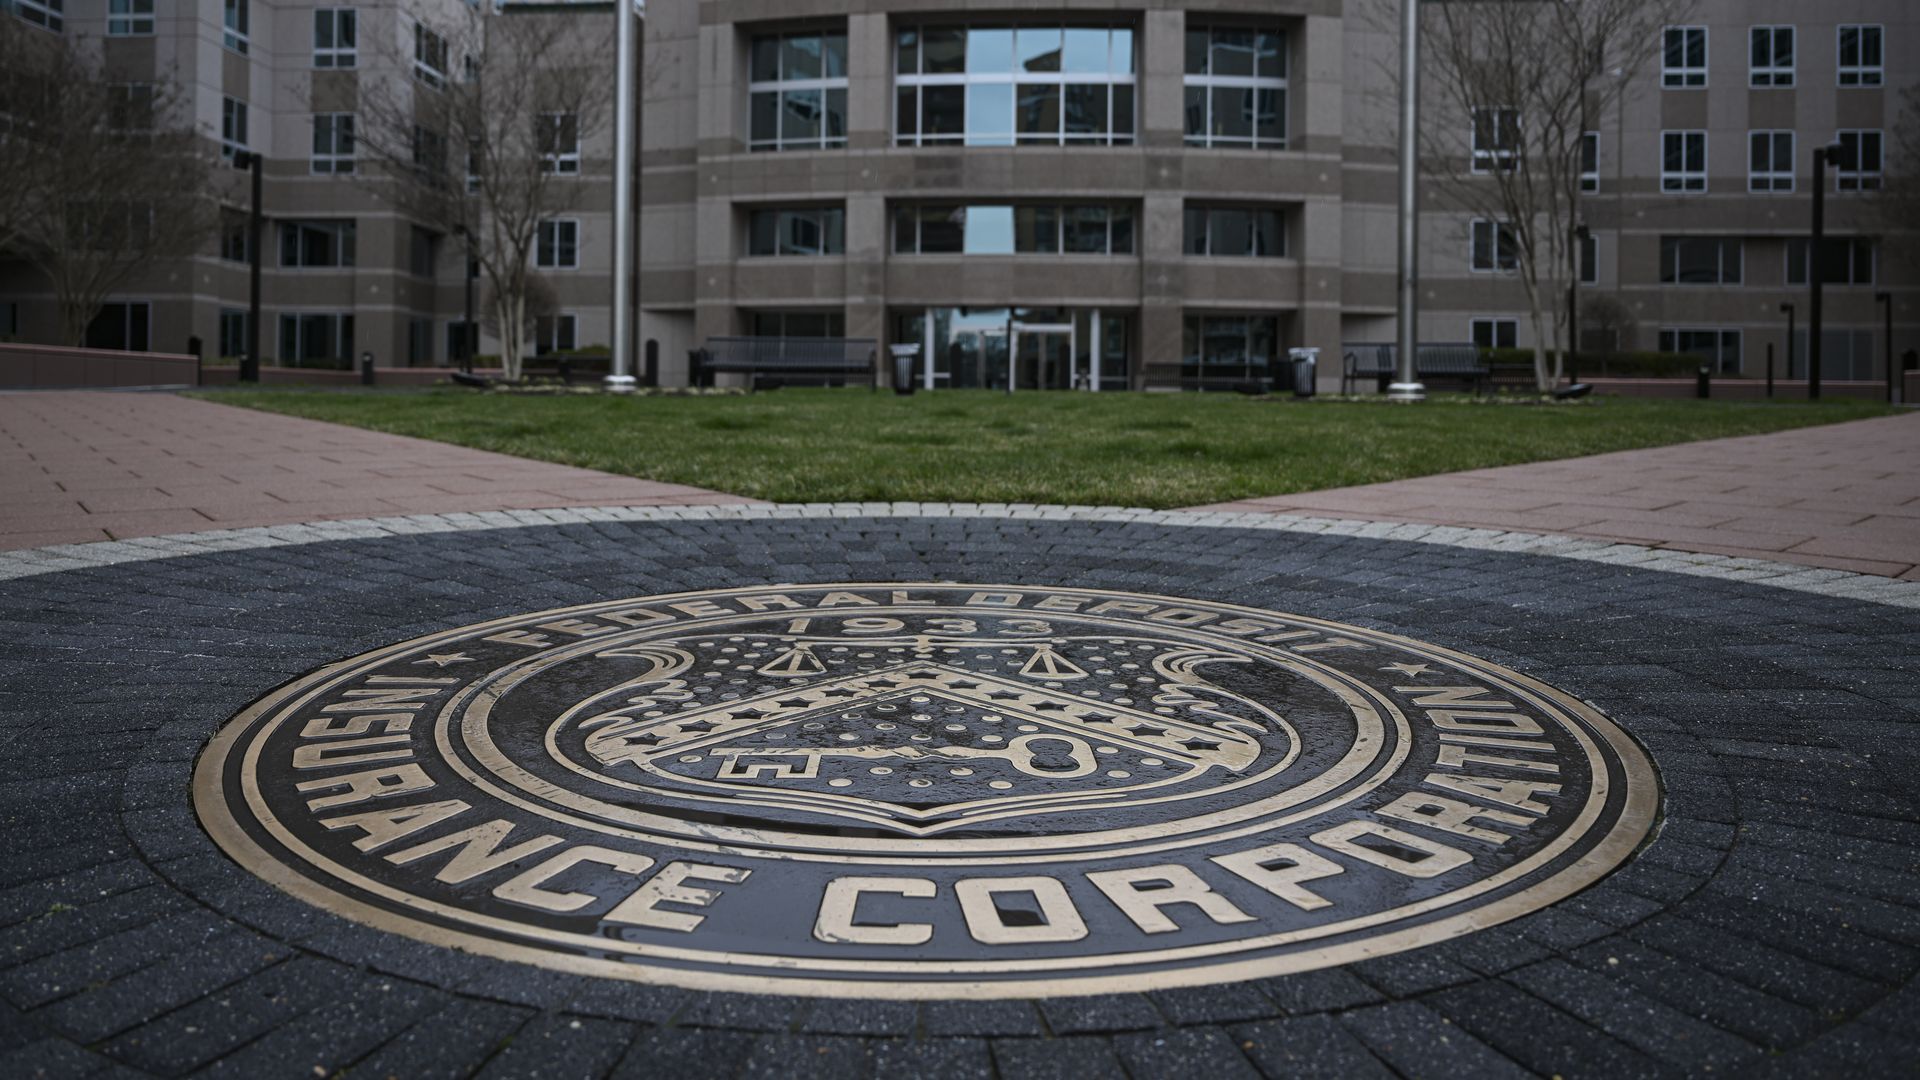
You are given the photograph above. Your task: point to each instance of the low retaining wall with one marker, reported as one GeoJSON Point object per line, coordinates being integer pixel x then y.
{"type": "Point", "coordinates": [56, 367]}
{"type": "Point", "coordinates": [382, 376]}
{"type": "Point", "coordinates": [1746, 389]}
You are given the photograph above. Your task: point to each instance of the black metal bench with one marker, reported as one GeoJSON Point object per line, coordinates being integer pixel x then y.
{"type": "Point", "coordinates": [1440, 360]}
{"type": "Point", "coordinates": [768, 357]}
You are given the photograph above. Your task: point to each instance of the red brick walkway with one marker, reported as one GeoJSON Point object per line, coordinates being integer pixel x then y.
{"type": "Point", "coordinates": [109, 466]}
{"type": "Point", "coordinates": [1845, 496]}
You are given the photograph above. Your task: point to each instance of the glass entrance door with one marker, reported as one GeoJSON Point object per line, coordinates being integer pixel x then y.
{"type": "Point", "coordinates": [1043, 356]}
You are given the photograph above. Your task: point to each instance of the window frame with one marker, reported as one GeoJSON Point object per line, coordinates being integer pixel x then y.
{"type": "Point", "coordinates": [1589, 177]}
{"type": "Point", "coordinates": [49, 15]}
{"type": "Point", "coordinates": [136, 21]}
{"type": "Point", "coordinates": [780, 87]}
{"type": "Point", "coordinates": [1062, 212]}
{"type": "Point", "coordinates": [1857, 180]}
{"type": "Point", "coordinates": [1668, 340]}
{"type": "Point", "coordinates": [1686, 75]}
{"type": "Point", "coordinates": [1496, 245]}
{"type": "Point", "coordinates": [1672, 252]}
{"type": "Point", "coordinates": [342, 238]}
{"type": "Point", "coordinates": [1772, 75]}
{"type": "Point", "coordinates": [557, 158]}
{"type": "Point", "coordinates": [236, 26]}
{"type": "Point", "coordinates": [1864, 75]}
{"type": "Point", "coordinates": [547, 250]}
{"type": "Point", "coordinates": [1205, 212]}
{"type": "Point", "coordinates": [1498, 157]}
{"type": "Point", "coordinates": [233, 127]}
{"type": "Point", "coordinates": [552, 325]}
{"type": "Point", "coordinates": [1770, 181]}
{"type": "Point", "coordinates": [335, 56]}
{"type": "Point", "coordinates": [831, 221]}
{"type": "Point", "coordinates": [1255, 84]}
{"type": "Point", "coordinates": [1494, 324]}
{"type": "Point", "coordinates": [341, 331]}
{"type": "Point", "coordinates": [1679, 182]}
{"type": "Point", "coordinates": [232, 331]}
{"type": "Point", "coordinates": [914, 86]}
{"type": "Point", "coordinates": [333, 161]}
{"type": "Point", "coordinates": [1799, 271]}
{"type": "Point", "coordinates": [430, 45]}
{"type": "Point", "coordinates": [1587, 258]}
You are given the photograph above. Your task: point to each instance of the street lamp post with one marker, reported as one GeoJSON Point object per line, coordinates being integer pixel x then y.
{"type": "Point", "coordinates": [1406, 386]}
{"type": "Point", "coordinates": [469, 334]}
{"type": "Point", "coordinates": [1823, 156]}
{"type": "Point", "coordinates": [1886, 302]}
{"type": "Point", "coordinates": [250, 364]}
{"type": "Point", "coordinates": [1580, 235]}
{"type": "Point", "coordinates": [620, 380]}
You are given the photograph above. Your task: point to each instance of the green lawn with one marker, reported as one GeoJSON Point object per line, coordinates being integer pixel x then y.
{"type": "Point", "coordinates": [1155, 450]}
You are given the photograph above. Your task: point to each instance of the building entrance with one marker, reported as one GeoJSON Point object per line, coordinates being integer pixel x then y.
{"type": "Point", "coordinates": [1043, 357]}
{"type": "Point", "coordinates": [1019, 348]}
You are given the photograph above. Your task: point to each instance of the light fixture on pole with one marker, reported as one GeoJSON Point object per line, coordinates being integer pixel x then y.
{"type": "Point", "coordinates": [620, 379]}
{"type": "Point", "coordinates": [250, 364]}
{"type": "Point", "coordinates": [469, 334]}
{"type": "Point", "coordinates": [1885, 299]}
{"type": "Point", "coordinates": [1823, 156]}
{"type": "Point", "coordinates": [1406, 385]}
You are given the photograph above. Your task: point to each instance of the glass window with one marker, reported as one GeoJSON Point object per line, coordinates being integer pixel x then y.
{"type": "Point", "coordinates": [1860, 164]}
{"type": "Point", "coordinates": [1496, 139]}
{"type": "Point", "coordinates": [998, 85]}
{"type": "Point", "coordinates": [1038, 229]}
{"type": "Point", "coordinates": [317, 244]}
{"type": "Point", "coordinates": [1683, 59]}
{"type": "Point", "coordinates": [429, 57]}
{"type": "Point", "coordinates": [1849, 260]}
{"type": "Point", "coordinates": [557, 135]}
{"type": "Point", "coordinates": [332, 143]}
{"type": "Point", "coordinates": [1770, 56]}
{"type": "Point", "coordinates": [1861, 63]}
{"type": "Point", "coordinates": [554, 334]}
{"type": "Point", "coordinates": [1590, 161]}
{"type": "Point", "coordinates": [1236, 87]}
{"type": "Point", "coordinates": [1496, 333]}
{"type": "Point", "coordinates": [48, 13]}
{"type": "Point", "coordinates": [121, 325]}
{"type": "Point", "coordinates": [336, 37]}
{"type": "Point", "coordinates": [129, 18]}
{"type": "Point", "coordinates": [1683, 161]}
{"type": "Point", "coordinates": [1234, 232]}
{"type": "Point", "coordinates": [557, 244]}
{"type": "Point", "coordinates": [1589, 260]}
{"type": "Point", "coordinates": [1495, 247]}
{"type": "Point", "coordinates": [1770, 161]}
{"type": "Point", "coordinates": [234, 20]}
{"type": "Point", "coordinates": [233, 127]}
{"type": "Point", "coordinates": [797, 231]}
{"type": "Point", "coordinates": [324, 338]}
{"type": "Point", "coordinates": [1719, 348]}
{"type": "Point", "coordinates": [1226, 350]}
{"type": "Point", "coordinates": [797, 91]}
{"type": "Point", "coordinates": [1700, 260]}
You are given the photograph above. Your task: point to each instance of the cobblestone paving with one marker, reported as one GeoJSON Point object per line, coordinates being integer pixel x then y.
{"type": "Point", "coordinates": [1772, 928]}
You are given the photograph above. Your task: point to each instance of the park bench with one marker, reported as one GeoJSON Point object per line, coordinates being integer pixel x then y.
{"type": "Point", "coordinates": [1439, 360]}
{"type": "Point", "coordinates": [770, 358]}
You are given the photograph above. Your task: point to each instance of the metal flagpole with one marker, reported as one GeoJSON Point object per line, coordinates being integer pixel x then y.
{"type": "Point", "coordinates": [620, 380]}
{"type": "Point", "coordinates": [1406, 386]}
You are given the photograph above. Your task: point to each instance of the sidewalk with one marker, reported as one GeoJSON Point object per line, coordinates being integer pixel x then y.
{"type": "Point", "coordinates": [96, 465]}
{"type": "Point", "coordinates": [1845, 496]}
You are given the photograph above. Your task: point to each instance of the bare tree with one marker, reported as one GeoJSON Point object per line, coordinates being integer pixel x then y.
{"type": "Point", "coordinates": [478, 132]}
{"type": "Point", "coordinates": [100, 178]}
{"type": "Point", "coordinates": [1519, 84]}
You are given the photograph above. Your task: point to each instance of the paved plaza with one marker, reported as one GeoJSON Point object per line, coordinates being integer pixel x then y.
{"type": "Point", "coordinates": [1705, 761]}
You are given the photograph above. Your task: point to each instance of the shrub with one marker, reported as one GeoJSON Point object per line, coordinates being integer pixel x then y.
{"type": "Point", "coordinates": [1631, 365]}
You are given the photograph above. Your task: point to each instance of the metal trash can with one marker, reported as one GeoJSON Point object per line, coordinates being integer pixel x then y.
{"type": "Point", "coordinates": [1306, 368]}
{"type": "Point", "coordinates": [905, 359]}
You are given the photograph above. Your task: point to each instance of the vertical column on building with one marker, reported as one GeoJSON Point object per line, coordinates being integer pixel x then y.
{"type": "Point", "coordinates": [869, 128]}
{"type": "Point", "coordinates": [719, 136]}
{"type": "Point", "coordinates": [1319, 60]}
{"type": "Point", "coordinates": [1163, 136]}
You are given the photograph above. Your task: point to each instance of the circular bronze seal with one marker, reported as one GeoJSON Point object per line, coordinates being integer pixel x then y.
{"type": "Point", "coordinates": [927, 790]}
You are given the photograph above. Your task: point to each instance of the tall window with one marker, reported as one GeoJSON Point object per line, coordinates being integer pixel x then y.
{"type": "Point", "coordinates": [814, 230]}
{"type": "Point", "coordinates": [233, 127]}
{"type": "Point", "coordinates": [317, 244]}
{"type": "Point", "coordinates": [554, 333]}
{"type": "Point", "coordinates": [1589, 161]}
{"type": "Point", "coordinates": [1229, 231]}
{"type": "Point", "coordinates": [557, 244]}
{"type": "Point", "coordinates": [233, 332]}
{"type": "Point", "coordinates": [236, 236]}
{"type": "Point", "coordinates": [797, 92]}
{"type": "Point", "coordinates": [1069, 229]}
{"type": "Point", "coordinates": [1002, 85]}
{"type": "Point", "coordinates": [129, 18]}
{"type": "Point", "coordinates": [429, 57]}
{"type": "Point", "coordinates": [1683, 60]}
{"type": "Point", "coordinates": [1228, 349]}
{"type": "Point", "coordinates": [1770, 56]}
{"type": "Point", "coordinates": [1861, 63]}
{"type": "Point", "coordinates": [1683, 161]}
{"type": "Point", "coordinates": [1236, 87]}
{"type": "Point", "coordinates": [1496, 333]}
{"type": "Point", "coordinates": [1589, 260]}
{"type": "Point", "coordinates": [1700, 260]}
{"type": "Point", "coordinates": [336, 38]}
{"type": "Point", "coordinates": [332, 143]}
{"type": "Point", "coordinates": [1495, 247]}
{"type": "Point", "coordinates": [121, 325]}
{"type": "Point", "coordinates": [423, 251]}
{"type": "Point", "coordinates": [1770, 161]}
{"type": "Point", "coordinates": [130, 107]}
{"type": "Point", "coordinates": [1496, 139]}
{"type": "Point", "coordinates": [1849, 260]}
{"type": "Point", "coordinates": [234, 23]}
{"type": "Point", "coordinates": [1860, 163]}
{"type": "Point", "coordinates": [48, 13]}
{"type": "Point", "coordinates": [1719, 348]}
{"type": "Point", "coordinates": [558, 136]}
{"type": "Point", "coordinates": [316, 338]}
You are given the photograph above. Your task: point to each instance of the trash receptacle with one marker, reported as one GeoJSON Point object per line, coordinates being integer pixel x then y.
{"type": "Point", "coordinates": [1306, 368]}
{"type": "Point", "coordinates": [905, 361]}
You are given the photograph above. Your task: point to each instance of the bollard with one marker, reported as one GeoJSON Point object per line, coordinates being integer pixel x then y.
{"type": "Point", "coordinates": [366, 368]}
{"type": "Point", "coordinates": [1703, 388]}
{"type": "Point", "coordinates": [1769, 371]}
